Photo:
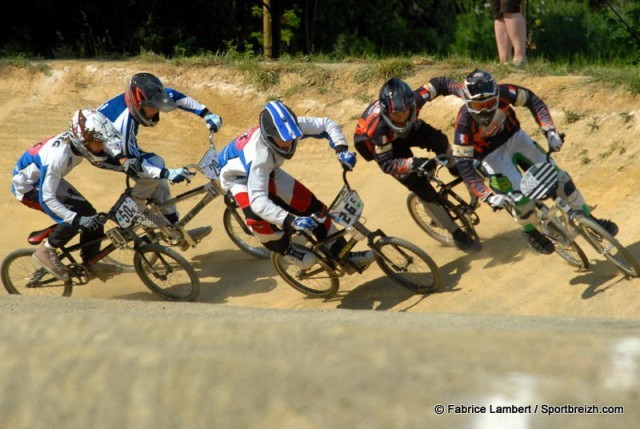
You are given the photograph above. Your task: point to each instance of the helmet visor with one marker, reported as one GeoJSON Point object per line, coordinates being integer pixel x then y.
{"type": "Point", "coordinates": [161, 101]}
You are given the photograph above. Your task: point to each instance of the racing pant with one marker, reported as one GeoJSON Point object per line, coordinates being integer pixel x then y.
{"type": "Point", "coordinates": [64, 232]}
{"type": "Point", "coordinates": [503, 168]}
{"type": "Point", "coordinates": [154, 189]}
{"type": "Point", "coordinates": [291, 195]}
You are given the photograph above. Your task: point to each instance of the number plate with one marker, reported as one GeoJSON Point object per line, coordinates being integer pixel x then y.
{"type": "Point", "coordinates": [127, 212]}
{"type": "Point", "coordinates": [209, 164]}
{"type": "Point", "coordinates": [348, 208]}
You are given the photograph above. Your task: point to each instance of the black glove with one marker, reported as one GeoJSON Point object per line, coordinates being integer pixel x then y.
{"type": "Point", "coordinates": [87, 223]}
{"type": "Point", "coordinates": [132, 166]}
{"type": "Point", "coordinates": [423, 166]}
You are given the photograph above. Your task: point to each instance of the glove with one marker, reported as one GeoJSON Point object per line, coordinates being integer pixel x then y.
{"type": "Point", "coordinates": [302, 223]}
{"type": "Point", "coordinates": [176, 175]}
{"type": "Point", "coordinates": [555, 140]}
{"type": "Point", "coordinates": [347, 159]}
{"type": "Point", "coordinates": [499, 201]}
{"type": "Point", "coordinates": [214, 122]}
{"type": "Point", "coordinates": [423, 165]}
{"type": "Point", "coordinates": [132, 167]}
{"type": "Point", "coordinates": [87, 223]}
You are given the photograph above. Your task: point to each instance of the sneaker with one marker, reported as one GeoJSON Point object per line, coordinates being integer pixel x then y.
{"type": "Point", "coordinates": [48, 258]}
{"type": "Point", "coordinates": [300, 257]}
{"type": "Point", "coordinates": [465, 243]}
{"type": "Point", "coordinates": [538, 242]}
{"type": "Point", "coordinates": [362, 259]}
{"type": "Point", "coordinates": [197, 234]}
{"type": "Point", "coordinates": [608, 225]}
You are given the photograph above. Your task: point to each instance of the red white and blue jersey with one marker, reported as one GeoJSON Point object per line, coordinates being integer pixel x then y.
{"type": "Point", "coordinates": [249, 161]}
{"type": "Point", "coordinates": [42, 167]}
{"type": "Point", "coordinates": [473, 141]}
{"type": "Point", "coordinates": [117, 112]}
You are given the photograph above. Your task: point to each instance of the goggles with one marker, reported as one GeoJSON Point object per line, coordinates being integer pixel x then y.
{"type": "Point", "coordinates": [487, 105]}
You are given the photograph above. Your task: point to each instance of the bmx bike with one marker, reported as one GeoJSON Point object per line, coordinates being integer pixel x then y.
{"type": "Point", "coordinates": [165, 272]}
{"type": "Point", "coordinates": [403, 262]}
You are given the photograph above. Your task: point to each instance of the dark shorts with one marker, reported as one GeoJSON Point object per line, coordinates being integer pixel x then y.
{"type": "Point", "coordinates": [505, 6]}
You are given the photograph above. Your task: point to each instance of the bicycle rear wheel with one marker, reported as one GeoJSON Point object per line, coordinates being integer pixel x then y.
{"type": "Point", "coordinates": [606, 245]}
{"type": "Point", "coordinates": [407, 265]}
{"type": "Point", "coordinates": [319, 281]}
{"type": "Point", "coordinates": [166, 273]}
{"type": "Point", "coordinates": [22, 275]}
{"type": "Point", "coordinates": [241, 235]}
{"type": "Point", "coordinates": [428, 224]}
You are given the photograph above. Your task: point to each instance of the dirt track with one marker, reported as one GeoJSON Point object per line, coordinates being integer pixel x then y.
{"type": "Point", "coordinates": [510, 328]}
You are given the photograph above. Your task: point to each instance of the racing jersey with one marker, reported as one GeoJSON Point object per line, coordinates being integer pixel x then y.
{"type": "Point", "coordinates": [248, 160]}
{"type": "Point", "coordinates": [42, 167]}
{"type": "Point", "coordinates": [118, 113]}
{"type": "Point", "coordinates": [373, 131]}
{"type": "Point", "coordinates": [472, 140]}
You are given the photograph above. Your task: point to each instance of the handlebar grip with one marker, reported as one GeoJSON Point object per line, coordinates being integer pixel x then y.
{"type": "Point", "coordinates": [103, 218]}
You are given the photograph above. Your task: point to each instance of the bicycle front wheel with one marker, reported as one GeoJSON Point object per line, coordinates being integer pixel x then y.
{"type": "Point", "coordinates": [565, 247]}
{"type": "Point", "coordinates": [319, 281]}
{"type": "Point", "coordinates": [241, 235]}
{"type": "Point", "coordinates": [424, 220]}
{"type": "Point", "coordinates": [166, 273]}
{"type": "Point", "coordinates": [407, 265]}
{"type": "Point", "coordinates": [22, 275]}
{"type": "Point", "coordinates": [606, 245]}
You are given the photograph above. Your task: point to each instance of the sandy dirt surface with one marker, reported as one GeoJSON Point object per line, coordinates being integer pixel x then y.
{"type": "Point", "coordinates": [510, 327]}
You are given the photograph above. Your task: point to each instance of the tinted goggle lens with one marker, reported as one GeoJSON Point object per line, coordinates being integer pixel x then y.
{"type": "Point", "coordinates": [480, 105]}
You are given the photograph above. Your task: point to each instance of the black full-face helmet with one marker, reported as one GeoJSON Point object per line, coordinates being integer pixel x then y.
{"type": "Point", "coordinates": [481, 96]}
{"type": "Point", "coordinates": [145, 89]}
{"type": "Point", "coordinates": [278, 122]}
{"type": "Point", "coordinates": [396, 96]}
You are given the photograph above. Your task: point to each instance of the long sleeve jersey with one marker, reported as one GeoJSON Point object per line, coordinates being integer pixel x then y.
{"type": "Point", "coordinates": [373, 131]}
{"type": "Point", "coordinates": [118, 113]}
{"type": "Point", "coordinates": [248, 160]}
{"type": "Point", "coordinates": [473, 141]}
{"type": "Point", "coordinates": [42, 167]}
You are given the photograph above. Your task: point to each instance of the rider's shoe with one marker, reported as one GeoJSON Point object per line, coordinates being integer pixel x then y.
{"type": "Point", "coordinates": [465, 243]}
{"type": "Point", "coordinates": [362, 259]}
{"type": "Point", "coordinates": [608, 225]}
{"type": "Point", "coordinates": [197, 234]}
{"type": "Point", "coordinates": [300, 257]}
{"type": "Point", "coordinates": [48, 258]}
{"type": "Point", "coordinates": [538, 242]}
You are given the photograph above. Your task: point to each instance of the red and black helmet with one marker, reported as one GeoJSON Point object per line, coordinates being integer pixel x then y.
{"type": "Point", "coordinates": [145, 89]}
{"type": "Point", "coordinates": [396, 96]}
{"type": "Point", "coordinates": [481, 96]}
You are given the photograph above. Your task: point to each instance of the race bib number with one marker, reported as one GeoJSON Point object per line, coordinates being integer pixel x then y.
{"type": "Point", "coordinates": [348, 208]}
{"type": "Point", "coordinates": [127, 212]}
{"type": "Point", "coordinates": [209, 164]}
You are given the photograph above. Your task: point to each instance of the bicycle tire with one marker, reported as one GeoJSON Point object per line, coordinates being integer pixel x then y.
{"type": "Point", "coordinates": [241, 237]}
{"type": "Point", "coordinates": [155, 263]}
{"type": "Point", "coordinates": [393, 255]}
{"type": "Point", "coordinates": [22, 275]}
{"type": "Point", "coordinates": [568, 250]}
{"type": "Point", "coordinates": [319, 281]}
{"type": "Point", "coordinates": [428, 225]}
{"type": "Point", "coordinates": [606, 245]}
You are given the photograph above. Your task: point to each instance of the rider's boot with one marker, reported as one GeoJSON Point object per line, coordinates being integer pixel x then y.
{"type": "Point", "coordinates": [538, 242]}
{"type": "Point", "coordinates": [302, 258]}
{"type": "Point", "coordinates": [608, 225]}
{"type": "Point", "coordinates": [464, 242]}
{"type": "Point", "coordinates": [48, 257]}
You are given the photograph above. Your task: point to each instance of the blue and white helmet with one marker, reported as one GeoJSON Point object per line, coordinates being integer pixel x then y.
{"type": "Point", "coordinates": [279, 121]}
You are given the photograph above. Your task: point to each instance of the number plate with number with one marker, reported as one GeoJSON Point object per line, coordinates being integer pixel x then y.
{"type": "Point", "coordinates": [348, 208]}
{"type": "Point", "coordinates": [209, 164]}
{"type": "Point", "coordinates": [127, 212]}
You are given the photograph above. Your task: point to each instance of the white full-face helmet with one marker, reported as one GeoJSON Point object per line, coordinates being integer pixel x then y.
{"type": "Point", "coordinates": [89, 125]}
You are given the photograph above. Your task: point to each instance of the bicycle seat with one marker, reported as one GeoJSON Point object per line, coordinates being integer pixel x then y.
{"type": "Point", "coordinates": [36, 237]}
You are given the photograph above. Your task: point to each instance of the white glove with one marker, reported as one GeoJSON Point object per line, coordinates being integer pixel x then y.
{"type": "Point", "coordinates": [302, 223]}
{"type": "Point", "coordinates": [555, 140]}
{"type": "Point", "coordinates": [499, 201]}
{"type": "Point", "coordinates": [214, 122]}
{"type": "Point", "coordinates": [176, 175]}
